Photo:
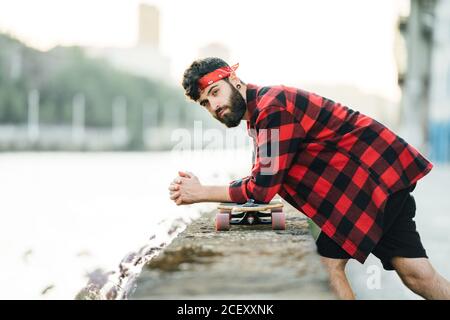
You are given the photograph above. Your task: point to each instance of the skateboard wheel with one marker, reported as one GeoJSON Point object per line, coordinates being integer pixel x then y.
{"type": "Point", "coordinates": [228, 212]}
{"type": "Point", "coordinates": [278, 221]}
{"type": "Point", "coordinates": [222, 222]}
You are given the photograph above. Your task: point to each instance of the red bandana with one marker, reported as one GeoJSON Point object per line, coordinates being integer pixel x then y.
{"type": "Point", "coordinates": [216, 75]}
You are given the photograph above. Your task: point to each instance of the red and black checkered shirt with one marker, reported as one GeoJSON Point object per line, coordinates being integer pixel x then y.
{"type": "Point", "coordinates": [332, 163]}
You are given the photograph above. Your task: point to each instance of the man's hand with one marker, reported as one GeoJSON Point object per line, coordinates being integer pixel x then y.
{"type": "Point", "coordinates": [186, 189]}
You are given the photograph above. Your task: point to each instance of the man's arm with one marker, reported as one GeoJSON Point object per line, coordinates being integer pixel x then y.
{"type": "Point", "coordinates": [279, 138]}
{"type": "Point", "coordinates": [187, 189]}
{"type": "Point", "coordinates": [216, 194]}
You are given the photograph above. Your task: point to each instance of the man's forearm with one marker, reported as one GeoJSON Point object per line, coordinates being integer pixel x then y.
{"type": "Point", "coordinates": [215, 194]}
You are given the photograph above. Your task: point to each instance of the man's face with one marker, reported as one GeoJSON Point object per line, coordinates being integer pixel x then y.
{"type": "Point", "coordinates": [224, 102]}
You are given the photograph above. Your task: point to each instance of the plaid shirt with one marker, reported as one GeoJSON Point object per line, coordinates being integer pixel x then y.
{"type": "Point", "coordinates": [334, 164]}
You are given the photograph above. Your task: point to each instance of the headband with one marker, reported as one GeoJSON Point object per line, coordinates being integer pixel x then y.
{"type": "Point", "coordinates": [216, 75]}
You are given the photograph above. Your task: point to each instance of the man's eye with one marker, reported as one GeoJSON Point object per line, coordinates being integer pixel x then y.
{"type": "Point", "coordinates": [215, 93]}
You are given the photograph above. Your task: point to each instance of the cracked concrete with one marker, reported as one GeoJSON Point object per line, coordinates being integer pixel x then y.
{"type": "Point", "coordinates": [247, 262]}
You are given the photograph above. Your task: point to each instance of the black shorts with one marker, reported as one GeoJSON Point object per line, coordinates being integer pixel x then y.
{"type": "Point", "coordinates": [400, 237]}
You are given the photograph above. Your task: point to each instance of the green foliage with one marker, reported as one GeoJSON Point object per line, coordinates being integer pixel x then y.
{"type": "Point", "coordinates": [313, 228]}
{"type": "Point", "coordinates": [64, 72]}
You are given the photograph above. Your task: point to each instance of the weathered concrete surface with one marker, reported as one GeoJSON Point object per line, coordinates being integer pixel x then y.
{"type": "Point", "coordinates": [247, 262]}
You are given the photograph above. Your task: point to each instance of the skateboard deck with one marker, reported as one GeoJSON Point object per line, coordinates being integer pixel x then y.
{"type": "Point", "coordinates": [250, 213]}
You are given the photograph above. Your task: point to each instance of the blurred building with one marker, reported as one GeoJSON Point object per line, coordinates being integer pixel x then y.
{"type": "Point", "coordinates": [148, 26]}
{"type": "Point", "coordinates": [145, 58]}
{"type": "Point", "coordinates": [439, 98]}
{"type": "Point", "coordinates": [425, 115]}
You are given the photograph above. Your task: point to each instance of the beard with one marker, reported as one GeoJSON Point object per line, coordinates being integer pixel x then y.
{"type": "Point", "coordinates": [236, 109]}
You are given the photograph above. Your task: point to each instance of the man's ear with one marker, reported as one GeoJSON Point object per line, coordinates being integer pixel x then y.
{"type": "Point", "coordinates": [233, 78]}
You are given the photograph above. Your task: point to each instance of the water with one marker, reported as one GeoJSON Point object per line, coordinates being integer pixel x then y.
{"type": "Point", "coordinates": [65, 215]}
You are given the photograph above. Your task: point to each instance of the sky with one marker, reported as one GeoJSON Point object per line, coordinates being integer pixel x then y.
{"type": "Point", "coordinates": [326, 42]}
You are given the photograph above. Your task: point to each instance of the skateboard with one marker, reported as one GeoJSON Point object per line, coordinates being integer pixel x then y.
{"type": "Point", "coordinates": [250, 213]}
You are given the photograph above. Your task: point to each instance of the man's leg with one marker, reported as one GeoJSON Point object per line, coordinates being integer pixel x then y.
{"type": "Point", "coordinates": [338, 280]}
{"type": "Point", "coordinates": [419, 275]}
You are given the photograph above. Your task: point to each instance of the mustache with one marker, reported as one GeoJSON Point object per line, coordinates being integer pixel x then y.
{"type": "Point", "coordinates": [219, 110]}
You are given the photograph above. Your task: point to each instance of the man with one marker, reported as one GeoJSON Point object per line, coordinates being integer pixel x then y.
{"type": "Point", "coordinates": [347, 172]}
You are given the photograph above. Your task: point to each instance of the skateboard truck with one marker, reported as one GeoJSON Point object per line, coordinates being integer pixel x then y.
{"type": "Point", "coordinates": [250, 203]}
{"type": "Point", "coordinates": [250, 213]}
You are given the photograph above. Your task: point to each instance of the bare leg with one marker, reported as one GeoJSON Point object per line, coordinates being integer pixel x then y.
{"type": "Point", "coordinates": [419, 275]}
{"type": "Point", "coordinates": [338, 280]}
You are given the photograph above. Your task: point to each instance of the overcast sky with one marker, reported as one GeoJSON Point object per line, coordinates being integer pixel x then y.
{"type": "Point", "coordinates": [345, 42]}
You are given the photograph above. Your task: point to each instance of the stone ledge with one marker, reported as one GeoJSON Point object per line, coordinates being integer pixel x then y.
{"type": "Point", "coordinates": [247, 262]}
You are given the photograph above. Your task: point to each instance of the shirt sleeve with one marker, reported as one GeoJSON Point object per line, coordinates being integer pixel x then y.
{"type": "Point", "coordinates": [279, 135]}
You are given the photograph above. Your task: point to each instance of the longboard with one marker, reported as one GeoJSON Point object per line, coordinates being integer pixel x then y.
{"type": "Point", "coordinates": [250, 213]}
